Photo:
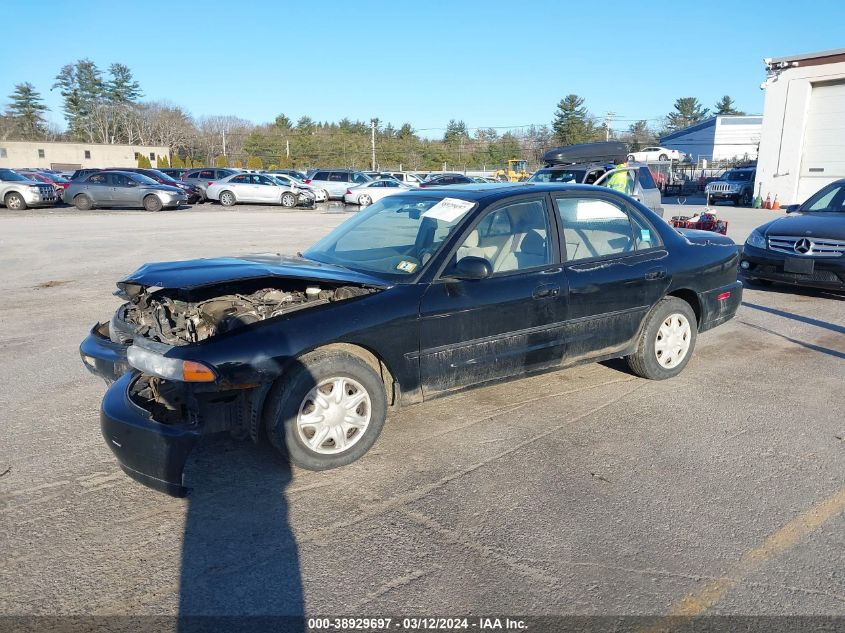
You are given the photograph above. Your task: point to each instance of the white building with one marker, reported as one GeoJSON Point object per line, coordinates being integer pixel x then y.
{"type": "Point", "coordinates": [69, 156]}
{"type": "Point", "coordinates": [802, 147]}
{"type": "Point", "coordinates": [721, 137]}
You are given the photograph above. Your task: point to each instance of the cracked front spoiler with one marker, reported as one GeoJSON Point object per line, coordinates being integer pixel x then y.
{"type": "Point", "coordinates": [150, 452]}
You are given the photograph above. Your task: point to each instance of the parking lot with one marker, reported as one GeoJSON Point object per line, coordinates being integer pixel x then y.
{"type": "Point", "coordinates": [584, 491]}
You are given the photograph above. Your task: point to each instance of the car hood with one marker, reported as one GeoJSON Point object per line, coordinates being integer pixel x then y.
{"type": "Point", "coordinates": [823, 224]}
{"type": "Point", "coordinates": [197, 273]}
{"type": "Point", "coordinates": [160, 187]}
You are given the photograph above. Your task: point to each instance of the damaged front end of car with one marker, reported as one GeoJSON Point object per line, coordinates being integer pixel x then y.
{"type": "Point", "coordinates": [174, 361]}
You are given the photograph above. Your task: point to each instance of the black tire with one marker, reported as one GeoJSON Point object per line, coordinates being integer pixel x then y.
{"type": "Point", "coordinates": [14, 201]}
{"type": "Point", "coordinates": [744, 199]}
{"type": "Point", "coordinates": [227, 198]}
{"type": "Point", "coordinates": [644, 361]}
{"type": "Point", "coordinates": [365, 200]}
{"type": "Point", "coordinates": [289, 200]}
{"type": "Point", "coordinates": [82, 202]}
{"type": "Point", "coordinates": [289, 394]}
{"type": "Point", "coordinates": [631, 158]}
{"type": "Point", "coordinates": [663, 157]}
{"type": "Point", "coordinates": [152, 203]}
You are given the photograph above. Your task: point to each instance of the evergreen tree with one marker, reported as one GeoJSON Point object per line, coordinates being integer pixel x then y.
{"type": "Point", "coordinates": [726, 106]}
{"type": "Point", "coordinates": [121, 88]}
{"type": "Point", "coordinates": [161, 161]}
{"type": "Point", "coordinates": [456, 131]}
{"type": "Point", "coordinates": [81, 86]}
{"type": "Point", "coordinates": [572, 124]}
{"type": "Point", "coordinates": [688, 111]}
{"type": "Point", "coordinates": [177, 162]}
{"type": "Point", "coordinates": [283, 122]}
{"type": "Point", "coordinates": [143, 161]}
{"type": "Point", "coordinates": [26, 112]}
{"type": "Point", "coordinates": [221, 161]}
{"type": "Point", "coordinates": [254, 162]}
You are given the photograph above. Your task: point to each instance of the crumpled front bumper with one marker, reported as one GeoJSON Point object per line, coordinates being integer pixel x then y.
{"type": "Point", "coordinates": [103, 357]}
{"type": "Point", "coordinates": [149, 451]}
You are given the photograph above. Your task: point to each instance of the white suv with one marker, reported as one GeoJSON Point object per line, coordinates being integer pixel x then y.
{"type": "Point", "coordinates": [649, 154]}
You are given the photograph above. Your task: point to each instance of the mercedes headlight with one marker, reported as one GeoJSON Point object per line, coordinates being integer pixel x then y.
{"type": "Point", "coordinates": [756, 240]}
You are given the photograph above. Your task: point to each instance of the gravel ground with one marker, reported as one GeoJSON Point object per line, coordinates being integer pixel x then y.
{"type": "Point", "coordinates": [584, 491]}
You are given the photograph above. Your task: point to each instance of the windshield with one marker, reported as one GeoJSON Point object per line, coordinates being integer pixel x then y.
{"type": "Point", "coordinates": [557, 175]}
{"type": "Point", "coordinates": [393, 238]}
{"type": "Point", "coordinates": [737, 176]}
{"type": "Point", "coordinates": [141, 178]}
{"type": "Point", "coordinates": [160, 174]}
{"type": "Point", "coordinates": [831, 200]}
{"type": "Point", "coordinates": [9, 175]}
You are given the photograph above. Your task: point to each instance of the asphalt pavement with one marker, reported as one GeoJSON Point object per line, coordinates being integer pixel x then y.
{"type": "Point", "coordinates": [585, 491]}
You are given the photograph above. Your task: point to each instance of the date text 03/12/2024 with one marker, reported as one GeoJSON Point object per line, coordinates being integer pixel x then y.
{"type": "Point", "coordinates": [416, 624]}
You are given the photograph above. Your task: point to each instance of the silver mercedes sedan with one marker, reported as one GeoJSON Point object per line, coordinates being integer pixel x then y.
{"type": "Point", "coordinates": [258, 188]}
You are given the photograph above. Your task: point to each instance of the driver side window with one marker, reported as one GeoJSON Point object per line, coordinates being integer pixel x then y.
{"type": "Point", "coordinates": [511, 238]}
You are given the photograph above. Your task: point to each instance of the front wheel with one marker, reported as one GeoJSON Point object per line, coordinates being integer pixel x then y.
{"type": "Point", "coordinates": [288, 200]}
{"type": "Point", "coordinates": [666, 342]}
{"type": "Point", "coordinates": [631, 158]}
{"type": "Point", "coordinates": [663, 157]}
{"type": "Point", "coordinates": [327, 411]}
{"type": "Point", "coordinates": [745, 199]}
{"type": "Point", "coordinates": [15, 201]}
{"type": "Point", "coordinates": [152, 203]}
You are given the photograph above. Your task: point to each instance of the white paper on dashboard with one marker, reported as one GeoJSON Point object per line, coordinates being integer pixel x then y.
{"type": "Point", "coordinates": [449, 209]}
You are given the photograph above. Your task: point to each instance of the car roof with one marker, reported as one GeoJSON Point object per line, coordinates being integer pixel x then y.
{"type": "Point", "coordinates": [477, 191]}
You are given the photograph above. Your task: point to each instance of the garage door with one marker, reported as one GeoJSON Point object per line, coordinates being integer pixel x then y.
{"type": "Point", "coordinates": [823, 156]}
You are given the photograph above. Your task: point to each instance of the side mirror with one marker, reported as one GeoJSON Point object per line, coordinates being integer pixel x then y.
{"type": "Point", "coordinates": [471, 268]}
{"type": "Point", "coordinates": [791, 208]}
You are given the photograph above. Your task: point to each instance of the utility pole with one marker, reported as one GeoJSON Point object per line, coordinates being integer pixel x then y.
{"type": "Point", "coordinates": [373, 141]}
{"type": "Point", "coordinates": [287, 148]}
{"type": "Point", "coordinates": [224, 142]}
{"type": "Point", "coordinates": [608, 119]}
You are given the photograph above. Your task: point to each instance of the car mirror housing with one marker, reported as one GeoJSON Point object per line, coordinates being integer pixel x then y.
{"type": "Point", "coordinates": [471, 268]}
{"type": "Point", "coordinates": [791, 208]}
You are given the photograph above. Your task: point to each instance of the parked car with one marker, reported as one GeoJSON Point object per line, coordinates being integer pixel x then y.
{"type": "Point", "coordinates": [293, 173]}
{"type": "Point", "coordinates": [370, 192]}
{"type": "Point", "coordinates": [19, 192]}
{"type": "Point", "coordinates": [174, 172]}
{"type": "Point", "coordinates": [442, 180]}
{"type": "Point", "coordinates": [336, 181]}
{"type": "Point", "coordinates": [483, 179]}
{"type": "Point", "coordinates": [656, 153]}
{"type": "Point", "coordinates": [82, 173]}
{"type": "Point", "coordinates": [320, 195]}
{"type": "Point", "coordinates": [805, 248]}
{"type": "Point", "coordinates": [191, 191]}
{"type": "Point", "coordinates": [643, 186]}
{"type": "Point", "coordinates": [207, 176]}
{"type": "Point", "coordinates": [122, 189]}
{"type": "Point", "coordinates": [403, 176]}
{"type": "Point", "coordinates": [260, 188]}
{"type": "Point", "coordinates": [421, 294]}
{"type": "Point", "coordinates": [58, 183]}
{"type": "Point", "coordinates": [736, 185]}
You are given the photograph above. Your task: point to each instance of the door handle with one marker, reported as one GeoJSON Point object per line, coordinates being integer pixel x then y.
{"type": "Point", "coordinates": [546, 290]}
{"type": "Point", "coordinates": [655, 273]}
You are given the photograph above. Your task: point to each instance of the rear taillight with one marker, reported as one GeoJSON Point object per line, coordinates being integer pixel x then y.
{"type": "Point", "coordinates": [210, 182]}
{"type": "Point", "coordinates": [348, 192]}
{"type": "Point", "coordinates": [422, 186]}
{"type": "Point", "coordinates": [308, 181]}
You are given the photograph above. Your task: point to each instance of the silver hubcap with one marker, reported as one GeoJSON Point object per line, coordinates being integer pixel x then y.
{"type": "Point", "coordinates": [334, 415]}
{"type": "Point", "coordinates": [673, 340]}
{"type": "Point", "coordinates": [365, 200]}
{"type": "Point", "coordinates": [287, 200]}
{"type": "Point", "coordinates": [14, 202]}
{"type": "Point", "coordinates": [227, 198]}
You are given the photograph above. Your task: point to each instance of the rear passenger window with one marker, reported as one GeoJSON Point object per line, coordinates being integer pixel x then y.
{"type": "Point", "coordinates": [593, 227]}
{"type": "Point", "coordinates": [207, 174]}
{"type": "Point", "coordinates": [337, 176]}
{"type": "Point", "coordinates": [359, 178]}
{"type": "Point", "coordinates": [320, 175]}
{"type": "Point", "coordinates": [98, 179]}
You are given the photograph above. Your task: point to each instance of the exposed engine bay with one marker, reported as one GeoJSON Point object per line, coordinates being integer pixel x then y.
{"type": "Point", "coordinates": [176, 317]}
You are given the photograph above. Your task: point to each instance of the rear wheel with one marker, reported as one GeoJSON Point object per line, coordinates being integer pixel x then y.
{"type": "Point", "coordinates": [152, 203]}
{"type": "Point", "coordinates": [666, 342]}
{"type": "Point", "coordinates": [289, 200]}
{"type": "Point", "coordinates": [631, 158]}
{"type": "Point", "coordinates": [82, 202]}
{"type": "Point", "coordinates": [227, 199]}
{"type": "Point", "coordinates": [15, 201]}
{"type": "Point", "coordinates": [327, 411]}
{"type": "Point", "coordinates": [745, 199]}
{"type": "Point", "coordinates": [365, 200]}
{"type": "Point", "coordinates": [663, 157]}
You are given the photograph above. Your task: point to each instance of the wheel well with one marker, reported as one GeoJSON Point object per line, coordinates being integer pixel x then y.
{"type": "Point", "coordinates": [691, 298]}
{"type": "Point", "coordinates": [373, 360]}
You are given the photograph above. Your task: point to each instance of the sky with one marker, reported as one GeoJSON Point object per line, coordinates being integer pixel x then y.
{"type": "Point", "coordinates": [491, 63]}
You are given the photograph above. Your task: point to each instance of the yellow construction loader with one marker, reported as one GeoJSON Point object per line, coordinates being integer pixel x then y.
{"type": "Point", "coordinates": [517, 171]}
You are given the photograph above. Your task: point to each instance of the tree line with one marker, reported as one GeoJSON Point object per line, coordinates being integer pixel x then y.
{"type": "Point", "coordinates": [108, 107]}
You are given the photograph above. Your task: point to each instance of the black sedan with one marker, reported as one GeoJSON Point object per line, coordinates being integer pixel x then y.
{"type": "Point", "coordinates": [421, 294]}
{"type": "Point", "coordinates": [805, 248]}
